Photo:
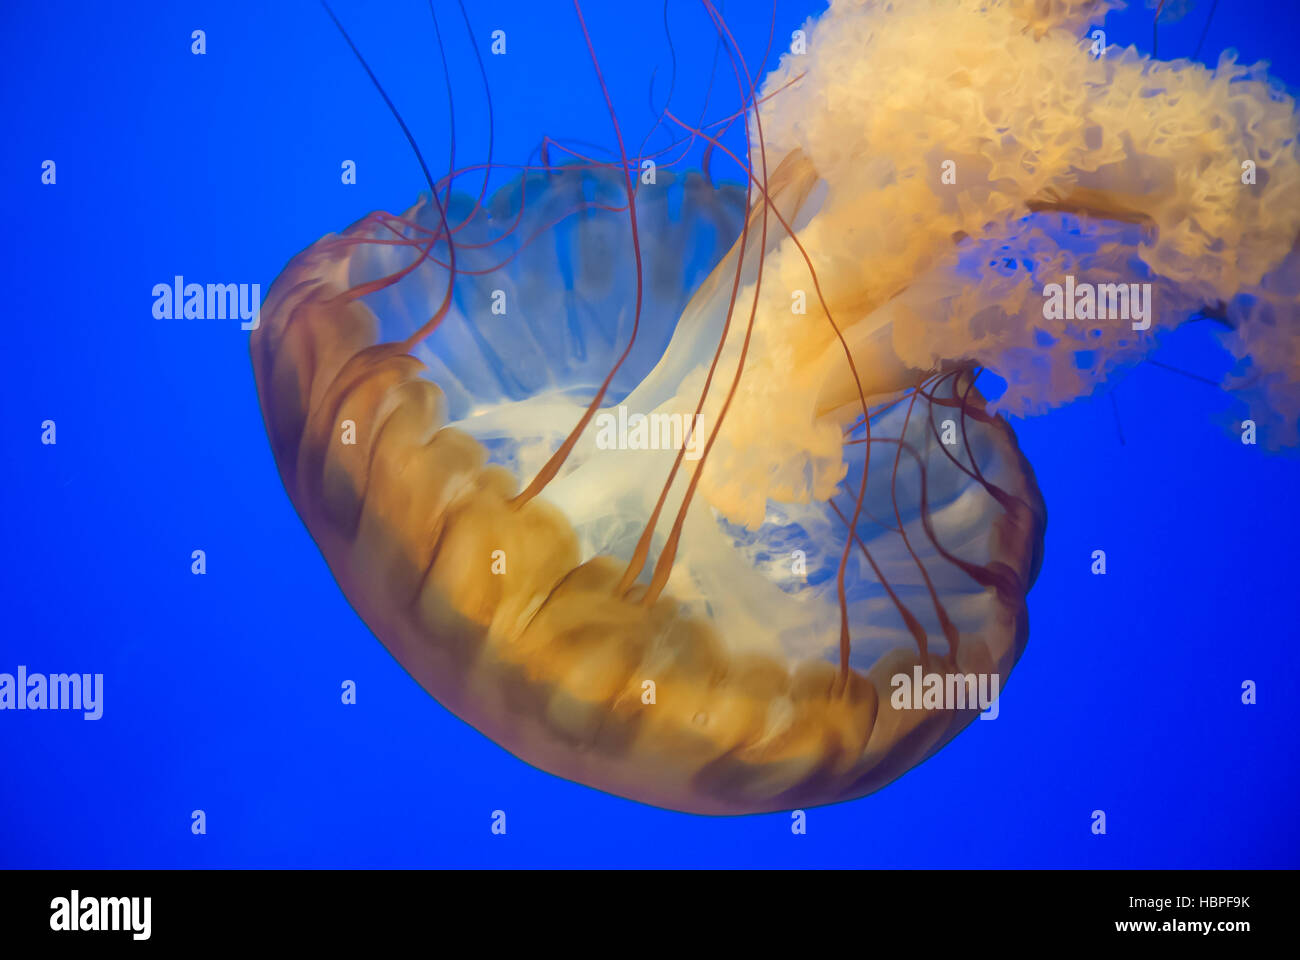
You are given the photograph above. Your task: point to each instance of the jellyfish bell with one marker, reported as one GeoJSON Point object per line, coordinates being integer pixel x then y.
{"type": "Point", "coordinates": [726, 633]}
{"type": "Point", "coordinates": [721, 696]}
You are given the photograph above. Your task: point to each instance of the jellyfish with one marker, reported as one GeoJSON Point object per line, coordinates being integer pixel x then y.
{"type": "Point", "coordinates": [674, 488]}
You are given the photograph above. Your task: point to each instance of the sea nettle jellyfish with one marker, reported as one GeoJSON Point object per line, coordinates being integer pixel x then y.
{"type": "Point", "coordinates": [672, 488]}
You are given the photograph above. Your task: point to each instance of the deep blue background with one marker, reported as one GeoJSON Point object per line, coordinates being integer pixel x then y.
{"type": "Point", "coordinates": [222, 692]}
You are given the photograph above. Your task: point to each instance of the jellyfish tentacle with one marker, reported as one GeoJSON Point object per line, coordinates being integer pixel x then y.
{"type": "Point", "coordinates": [664, 564]}
{"type": "Point", "coordinates": [557, 460]}
{"type": "Point", "coordinates": [845, 644]}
